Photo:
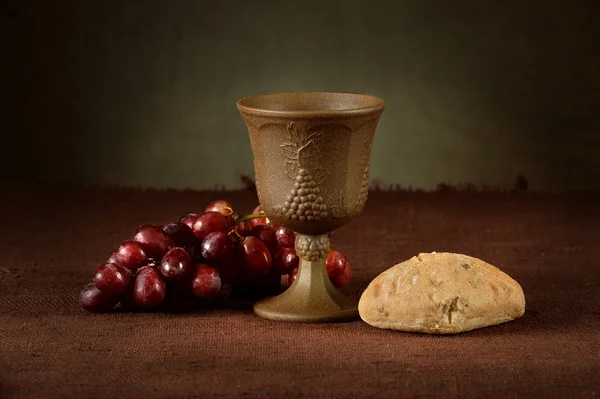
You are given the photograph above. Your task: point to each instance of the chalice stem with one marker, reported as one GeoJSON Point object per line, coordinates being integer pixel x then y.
{"type": "Point", "coordinates": [312, 297]}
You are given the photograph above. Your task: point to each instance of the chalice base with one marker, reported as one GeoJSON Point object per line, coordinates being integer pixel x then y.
{"type": "Point", "coordinates": [311, 299]}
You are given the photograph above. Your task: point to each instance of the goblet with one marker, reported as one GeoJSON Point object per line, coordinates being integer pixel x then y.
{"type": "Point", "coordinates": [311, 159]}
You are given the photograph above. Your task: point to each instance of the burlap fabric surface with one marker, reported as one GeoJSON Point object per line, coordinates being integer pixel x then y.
{"type": "Point", "coordinates": [52, 239]}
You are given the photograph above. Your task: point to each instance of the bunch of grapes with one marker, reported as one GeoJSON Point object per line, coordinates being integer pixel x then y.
{"type": "Point", "coordinates": [202, 259]}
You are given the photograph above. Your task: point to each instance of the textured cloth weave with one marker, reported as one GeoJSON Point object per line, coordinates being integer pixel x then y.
{"type": "Point", "coordinates": [53, 238]}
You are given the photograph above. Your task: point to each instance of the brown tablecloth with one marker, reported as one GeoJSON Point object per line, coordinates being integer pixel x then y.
{"type": "Point", "coordinates": [53, 238]}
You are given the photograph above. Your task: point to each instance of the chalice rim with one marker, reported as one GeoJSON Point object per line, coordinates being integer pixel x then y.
{"type": "Point", "coordinates": [373, 104]}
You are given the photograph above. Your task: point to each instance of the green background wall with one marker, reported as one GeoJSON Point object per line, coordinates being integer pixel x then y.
{"type": "Point", "coordinates": [143, 93]}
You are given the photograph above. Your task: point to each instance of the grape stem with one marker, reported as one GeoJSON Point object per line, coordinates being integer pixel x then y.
{"type": "Point", "coordinates": [235, 232]}
{"type": "Point", "coordinates": [251, 216]}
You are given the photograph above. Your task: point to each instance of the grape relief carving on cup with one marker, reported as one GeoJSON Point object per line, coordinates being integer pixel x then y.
{"type": "Point", "coordinates": [302, 165]}
{"type": "Point", "coordinates": [304, 201]}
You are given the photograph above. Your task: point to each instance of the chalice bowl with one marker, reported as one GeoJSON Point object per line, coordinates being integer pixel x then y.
{"type": "Point", "coordinates": [311, 160]}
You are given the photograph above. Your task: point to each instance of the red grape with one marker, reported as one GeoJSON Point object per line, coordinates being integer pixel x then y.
{"type": "Point", "coordinates": [343, 279]}
{"type": "Point", "coordinates": [266, 234]}
{"type": "Point", "coordinates": [244, 228]}
{"type": "Point", "coordinates": [216, 246]}
{"type": "Point", "coordinates": [189, 219]}
{"type": "Point", "coordinates": [94, 300]}
{"type": "Point", "coordinates": [255, 256]}
{"type": "Point", "coordinates": [130, 254]}
{"type": "Point", "coordinates": [112, 278]}
{"type": "Point", "coordinates": [336, 263]}
{"type": "Point", "coordinates": [154, 239]}
{"type": "Point", "coordinates": [205, 282]}
{"type": "Point", "coordinates": [208, 222]}
{"type": "Point", "coordinates": [286, 237]}
{"type": "Point", "coordinates": [182, 234]}
{"type": "Point", "coordinates": [223, 207]}
{"type": "Point", "coordinates": [292, 276]}
{"type": "Point", "coordinates": [259, 221]}
{"type": "Point", "coordinates": [284, 260]}
{"type": "Point", "coordinates": [149, 289]}
{"type": "Point", "coordinates": [175, 264]}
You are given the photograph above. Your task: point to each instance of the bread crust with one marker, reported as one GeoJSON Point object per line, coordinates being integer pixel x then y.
{"type": "Point", "coordinates": [441, 293]}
